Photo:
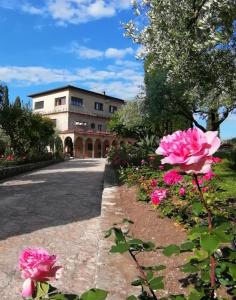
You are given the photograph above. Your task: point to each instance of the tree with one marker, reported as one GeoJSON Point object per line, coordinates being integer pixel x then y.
{"type": "Point", "coordinates": [164, 101]}
{"type": "Point", "coordinates": [4, 97]}
{"type": "Point", "coordinates": [194, 41]}
{"type": "Point", "coordinates": [17, 102]}
{"type": "Point", "coordinates": [27, 132]}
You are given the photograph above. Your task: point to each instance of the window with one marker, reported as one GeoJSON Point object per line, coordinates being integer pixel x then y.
{"type": "Point", "coordinates": [112, 109]}
{"type": "Point", "coordinates": [76, 101]}
{"type": "Point", "coordinates": [99, 127]}
{"type": "Point", "coordinates": [98, 106]}
{"type": "Point", "coordinates": [92, 126]}
{"type": "Point", "coordinates": [60, 101]}
{"type": "Point", "coordinates": [39, 105]}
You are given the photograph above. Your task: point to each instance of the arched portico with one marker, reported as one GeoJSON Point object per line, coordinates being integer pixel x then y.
{"type": "Point", "coordinates": [89, 148]}
{"type": "Point", "coordinates": [68, 146]}
{"type": "Point", "coordinates": [79, 148]}
{"type": "Point", "coordinates": [97, 149]}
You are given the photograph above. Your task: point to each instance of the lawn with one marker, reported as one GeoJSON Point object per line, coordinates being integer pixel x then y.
{"type": "Point", "coordinates": [228, 179]}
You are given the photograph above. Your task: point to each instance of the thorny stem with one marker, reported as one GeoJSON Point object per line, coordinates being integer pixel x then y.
{"type": "Point", "coordinates": [144, 276]}
{"type": "Point", "coordinates": [210, 227]}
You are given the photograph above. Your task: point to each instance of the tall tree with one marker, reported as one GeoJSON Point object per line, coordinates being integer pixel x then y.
{"type": "Point", "coordinates": [194, 40]}
{"type": "Point", "coordinates": [17, 102]}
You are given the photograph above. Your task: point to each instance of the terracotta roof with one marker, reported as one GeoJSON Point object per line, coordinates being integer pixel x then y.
{"type": "Point", "coordinates": [71, 87]}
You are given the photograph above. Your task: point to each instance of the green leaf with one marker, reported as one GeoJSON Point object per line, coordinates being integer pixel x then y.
{"type": "Point", "coordinates": [232, 270]}
{"type": "Point", "coordinates": [42, 289]}
{"type": "Point", "coordinates": [157, 283]}
{"type": "Point", "coordinates": [137, 282]}
{"type": "Point", "coordinates": [200, 254]}
{"type": "Point", "coordinates": [149, 246]}
{"type": "Point", "coordinates": [120, 248]}
{"type": "Point", "coordinates": [150, 275]}
{"type": "Point", "coordinates": [187, 246]}
{"type": "Point", "coordinates": [108, 233]}
{"type": "Point", "coordinates": [197, 231]}
{"type": "Point", "coordinates": [155, 268]}
{"type": "Point", "coordinates": [125, 220]}
{"type": "Point", "coordinates": [196, 295]}
{"type": "Point", "coordinates": [171, 249]}
{"type": "Point", "coordinates": [222, 236]}
{"type": "Point", "coordinates": [189, 268]}
{"type": "Point", "coordinates": [209, 242]}
{"type": "Point", "coordinates": [131, 298]}
{"type": "Point", "coordinates": [119, 235]}
{"type": "Point", "coordinates": [197, 208]}
{"type": "Point", "coordinates": [94, 294]}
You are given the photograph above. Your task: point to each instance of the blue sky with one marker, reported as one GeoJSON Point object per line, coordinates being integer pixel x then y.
{"type": "Point", "coordinates": [50, 43]}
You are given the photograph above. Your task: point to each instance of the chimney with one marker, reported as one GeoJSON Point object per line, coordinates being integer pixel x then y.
{"type": "Point", "coordinates": [104, 93]}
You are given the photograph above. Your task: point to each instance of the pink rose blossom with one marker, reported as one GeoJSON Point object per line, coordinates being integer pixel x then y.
{"type": "Point", "coordinates": [182, 191]}
{"type": "Point", "coordinates": [36, 265]}
{"type": "Point", "coordinates": [209, 175]}
{"type": "Point", "coordinates": [154, 182]}
{"type": "Point", "coordinates": [158, 195]}
{"type": "Point", "coordinates": [204, 189]}
{"type": "Point", "coordinates": [161, 167]}
{"type": "Point", "coordinates": [142, 162]}
{"type": "Point", "coordinates": [172, 177]}
{"type": "Point", "coordinates": [191, 149]}
{"type": "Point", "coordinates": [200, 182]}
{"type": "Point", "coordinates": [216, 160]}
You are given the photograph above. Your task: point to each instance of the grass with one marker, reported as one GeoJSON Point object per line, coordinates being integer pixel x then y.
{"type": "Point", "coordinates": [228, 179]}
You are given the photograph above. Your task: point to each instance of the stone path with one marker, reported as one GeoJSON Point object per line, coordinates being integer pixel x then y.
{"type": "Point", "coordinates": [57, 208]}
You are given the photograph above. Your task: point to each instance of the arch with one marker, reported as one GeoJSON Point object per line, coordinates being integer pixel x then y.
{"type": "Point", "coordinates": [79, 147]}
{"type": "Point", "coordinates": [97, 149]}
{"type": "Point", "coordinates": [106, 145]}
{"type": "Point", "coordinates": [89, 148]}
{"type": "Point", "coordinates": [68, 146]}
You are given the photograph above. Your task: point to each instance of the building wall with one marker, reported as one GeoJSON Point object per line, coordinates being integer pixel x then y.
{"type": "Point", "coordinates": [75, 119]}
{"type": "Point", "coordinates": [89, 102]}
{"type": "Point", "coordinates": [49, 103]}
{"type": "Point", "coordinates": [69, 117]}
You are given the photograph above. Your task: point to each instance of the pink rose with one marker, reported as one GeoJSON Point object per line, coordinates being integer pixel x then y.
{"type": "Point", "coordinates": [36, 265]}
{"type": "Point", "coordinates": [182, 191]}
{"type": "Point", "coordinates": [209, 175]}
{"type": "Point", "coordinates": [216, 159]}
{"type": "Point", "coordinates": [161, 167]}
{"type": "Point", "coordinates": [154, 182]}
{"type": "Point", "coordinates": [191, 149]}
{"type": "Point", "coordinates": [158, 195]}
{"type": "Point", "coordinates": [172, 177]}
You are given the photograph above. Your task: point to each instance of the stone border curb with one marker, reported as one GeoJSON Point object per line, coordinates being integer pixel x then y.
{"type": "Point", "coordinates": [7, 172]}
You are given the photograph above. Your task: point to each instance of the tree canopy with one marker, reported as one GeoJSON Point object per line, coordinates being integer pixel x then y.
{"type": "Point", "coordinates": [194, 42]}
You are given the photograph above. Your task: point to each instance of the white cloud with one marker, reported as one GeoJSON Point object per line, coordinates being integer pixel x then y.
{"type": "Point", "coordinates": [76, 11]}
{"type": "Point", "coordinates": [122, 83]}
{"type": "Point", "coordinates": [85, 52]}
{"type": "Point", "coordinates": [118, 53]}
{"type": "Point", "coordinates": [32, 9]}
{"type": "Point", "coordinates": [89, 53]}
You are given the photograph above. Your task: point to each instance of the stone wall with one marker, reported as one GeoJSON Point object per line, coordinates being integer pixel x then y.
{"type": "Point", "coordinates": [6, 172]}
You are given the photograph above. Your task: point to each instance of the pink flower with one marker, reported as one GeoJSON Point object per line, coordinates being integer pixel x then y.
{"type": "Point", "coordinates": [142, 162]}
{"type": "Point", "coordinates": [10, 158]}
{"type": "Point", "coordinates": [216, 159]}
{"type": "Point", "coordinates": [204, 189]}
{"type": "Point", "coordinates": [200, 182]}
{"type": "Point", "coordinates": [161, 167]}
{"type": "Point", "coordinates": [36, 265]}
{"type": "Point", "coordinates": [182, 191]}
{"type": "Point", "coordinates": [191, 149]}
{"type": "Point", "coordinates": [172, 177]}
{"type": "Point", "coordinates": [154, 182]}
{"type": "Point", "coordinates": [158, 195]}
{"type": "Point", "coordinates": [209, 175]}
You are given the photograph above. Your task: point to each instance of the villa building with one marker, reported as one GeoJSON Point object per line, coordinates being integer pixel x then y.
{"type": "Point", "coordinates": [81, 118]}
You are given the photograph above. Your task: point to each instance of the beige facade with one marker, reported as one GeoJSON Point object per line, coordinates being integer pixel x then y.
{"type": "Point", "coordinates": [81, 118]}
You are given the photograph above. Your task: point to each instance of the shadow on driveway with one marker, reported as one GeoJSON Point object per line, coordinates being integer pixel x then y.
{"type": "Point", "coordinates": [60, 194]}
